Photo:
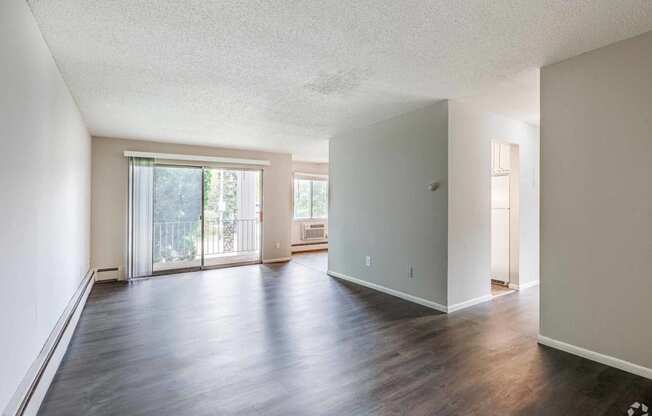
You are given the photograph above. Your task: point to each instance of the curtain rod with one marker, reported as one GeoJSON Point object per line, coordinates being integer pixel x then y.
{"type": "Point", "coordinates": [170, 156]}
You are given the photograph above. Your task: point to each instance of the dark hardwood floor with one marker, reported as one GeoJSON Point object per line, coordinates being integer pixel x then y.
{"type": "Point", "coordinates": [289, 340]}
{"type": "Point", "coordinates": [317, 260]}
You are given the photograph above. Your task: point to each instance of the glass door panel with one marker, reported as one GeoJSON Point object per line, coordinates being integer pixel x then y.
{"type": "Point", "coordinates": [232, 206]}
{"type": "Point", "coordinates": [177, 217]}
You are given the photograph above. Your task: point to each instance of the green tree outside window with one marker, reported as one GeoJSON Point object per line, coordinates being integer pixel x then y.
{"type": "Point", "coordinates": [310, 198]}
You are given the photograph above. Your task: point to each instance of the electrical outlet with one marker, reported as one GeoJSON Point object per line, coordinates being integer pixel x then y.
{"type": "Point", "coordinates": [278, 245]}
{"type": "Point", "coordinates": [410, 272]}
{"type": "Point", "coordinates": [367, 261]}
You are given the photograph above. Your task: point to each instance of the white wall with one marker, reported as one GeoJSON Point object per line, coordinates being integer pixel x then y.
{"type": "Point", "coordinates": [596, 201]}
{"type": "Point", "coordinates": [313, 168]}
{"type": "Point", "coordinates": [45, 194]}
{"type": "Point", "coordinates": [109, 196]}
{"type": "Point", "coordinates": [515, 218]}
{"type": "Point", "coordinates": [469, 199]}
{"type": "Point", "coordinates": [380, 205]}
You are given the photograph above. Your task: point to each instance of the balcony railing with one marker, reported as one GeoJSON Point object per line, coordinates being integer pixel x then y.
{"type": "Point", "coordinates": [181, 241]}
{"type": "Point", "coordinates": [231, 236]}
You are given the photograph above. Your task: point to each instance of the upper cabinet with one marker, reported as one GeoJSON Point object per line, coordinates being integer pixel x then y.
{"type": "Point", "coordinates": [500, 158]}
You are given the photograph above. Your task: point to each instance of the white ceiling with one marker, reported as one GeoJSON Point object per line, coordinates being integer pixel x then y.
{"type": "Point", "coordinates": [286, 75]}
{"type": "Point", "coordinates": [516, 98]}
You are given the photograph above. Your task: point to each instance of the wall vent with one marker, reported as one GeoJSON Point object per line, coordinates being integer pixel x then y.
{"type": "Point", "coordinates": [107, 274]}
{"type": "Point", "coordinates": [313, 231]}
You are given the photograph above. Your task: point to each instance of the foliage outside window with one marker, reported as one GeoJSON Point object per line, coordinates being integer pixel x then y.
{"type": "Point", "coordinates": [177, 213]}
{"type": "Point", "coordinates": [310, 198]}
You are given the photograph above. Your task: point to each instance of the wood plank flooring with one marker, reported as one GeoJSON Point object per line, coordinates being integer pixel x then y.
{"type": "Point", "coordinates": [500, 290]}
{"type": "Point", "coordinates": [289, 340]}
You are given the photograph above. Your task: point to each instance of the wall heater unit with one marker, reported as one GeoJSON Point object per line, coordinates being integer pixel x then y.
{"type": "Point", "coordinates": [107, 274]}
{"type": "Point", "coordinates": [313, 231]}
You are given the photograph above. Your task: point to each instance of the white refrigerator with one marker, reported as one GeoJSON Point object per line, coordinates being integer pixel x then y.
{"type": "Point", "coordinates": [500, 228]}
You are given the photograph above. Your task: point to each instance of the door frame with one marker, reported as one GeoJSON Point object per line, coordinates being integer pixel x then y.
{"type": "Point", "coordinates": [261, 216]}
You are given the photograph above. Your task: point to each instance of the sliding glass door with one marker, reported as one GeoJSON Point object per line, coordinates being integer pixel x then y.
{"type": "Point", "coordinates": [232, 207]}
{"type": "Point", "coordinates": [204, 217]}
{"type": "Point", "coordinates": [177, 218]}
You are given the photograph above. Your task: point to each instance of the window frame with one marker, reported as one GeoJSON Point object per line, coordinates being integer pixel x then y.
{"type": "Point", "coordinates": [311, 179]}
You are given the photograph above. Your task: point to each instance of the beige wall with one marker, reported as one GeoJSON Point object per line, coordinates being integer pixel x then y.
{"type": "Point", "coordinates": [469, 179]}
{"type": "Point", "coordinates": [306, 167]}
{"type": "Point", "coordinates": [596, 201]}
{"type": "Point", "coordinates": [310, 167]}
{"type": "Point", "coordinates": [109, 193]}
{"type": "Point", "coordinates": [44, 192]}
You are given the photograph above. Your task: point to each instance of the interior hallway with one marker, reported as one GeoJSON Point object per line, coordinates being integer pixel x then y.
{"type": "Point", "coordinates": [289, 340]}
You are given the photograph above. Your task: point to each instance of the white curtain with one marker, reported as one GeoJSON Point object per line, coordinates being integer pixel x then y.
{"type": "Point", "coordinates": [141, 211]}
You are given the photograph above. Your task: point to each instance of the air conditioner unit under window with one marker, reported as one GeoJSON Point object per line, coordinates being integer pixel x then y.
{"type": "Point", "coordinates": [314, 231]}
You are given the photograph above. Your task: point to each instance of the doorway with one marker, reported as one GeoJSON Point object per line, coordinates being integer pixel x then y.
{"type": "Point", "coordinates": [504, 216]}
{"type": "Point", "coordinates": [232, 211]}
{"type": "Point", "coordinates": [177, 218]}
{"type": "Point", "coordinates": [205, 217]}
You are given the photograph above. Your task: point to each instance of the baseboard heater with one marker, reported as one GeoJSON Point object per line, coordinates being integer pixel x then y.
{"type": "Point", "coordinates": [316, 243]}
{"type": "Point", "coordinates": [107, 274]}
{"type": "Point", "coordinates": [30, 393]}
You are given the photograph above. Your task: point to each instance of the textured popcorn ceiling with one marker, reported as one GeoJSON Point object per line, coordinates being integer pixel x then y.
{"type": "Point", "coordinates": [285, 75]}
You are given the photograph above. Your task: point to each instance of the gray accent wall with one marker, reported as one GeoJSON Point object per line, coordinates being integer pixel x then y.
{"type": "Point", "coordinates": [596, 201]}
{"type": "Point", "coordinates": [380, 205]}
{"type": "Point", "coordinates": [45, 178]}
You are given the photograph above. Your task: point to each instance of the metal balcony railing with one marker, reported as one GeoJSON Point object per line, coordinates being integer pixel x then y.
{"type": "Point", "coordinates": [231, 236]}
{"type": "Point", "coordinates": [181, 240]}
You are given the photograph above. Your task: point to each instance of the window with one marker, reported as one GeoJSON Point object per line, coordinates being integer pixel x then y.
{"type": "Point", "coordinates": [310, 198]}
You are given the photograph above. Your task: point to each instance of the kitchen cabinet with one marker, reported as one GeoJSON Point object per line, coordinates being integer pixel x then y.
{"type": "Point", "coordinates": [500, 158]}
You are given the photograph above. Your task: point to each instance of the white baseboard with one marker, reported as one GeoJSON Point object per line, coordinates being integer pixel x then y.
{"type": "Point", "coordinates": [393, 292]}
{"type": "Point", "coordinates": [29, 395]}
{"type": "Point", "coordinates": [278, 260]}
{"type": "Point", "coordinates": [598, 357]}
{"type": "Point", "coordinates": [469, 303]}
{"type": "Point", "coordinates": [524, 285]}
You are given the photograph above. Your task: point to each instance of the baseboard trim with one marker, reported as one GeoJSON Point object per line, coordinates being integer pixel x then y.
{"type": "Point", "coordinates": [468, 303]}
{"type": "Point", "coordinates": [309, 247]}
{"type": "Point", "coordinates": [314, 243]}
{"type": "Point", "coordinates": [278, 260]}
{"type": "Point", "coordinates": [639, 370]}
{"type": "Point", "coordinates": [30, 393]}
{"type": "Point", "coordinates": [524, 285]}
{"type": "Point", "coordinates": [392, 292]}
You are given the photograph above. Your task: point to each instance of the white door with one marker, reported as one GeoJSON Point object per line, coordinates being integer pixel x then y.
{"type": "Point", "coordinates": [500, 228]}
